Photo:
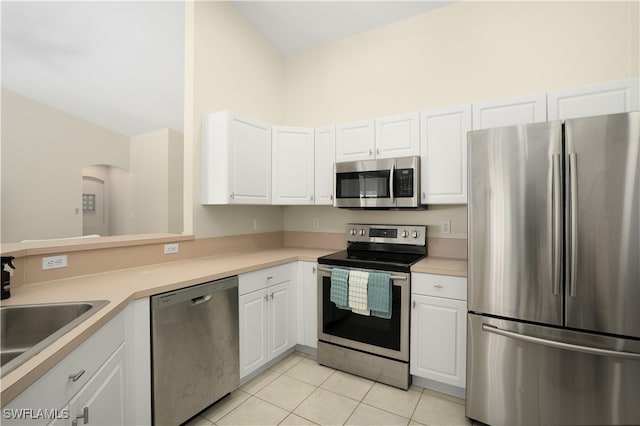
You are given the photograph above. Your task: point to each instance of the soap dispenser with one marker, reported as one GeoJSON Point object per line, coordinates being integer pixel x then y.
{"type": "Point", "coordinates": [7, 262]}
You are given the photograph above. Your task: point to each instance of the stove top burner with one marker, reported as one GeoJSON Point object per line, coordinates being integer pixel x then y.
{"type": "Point", "coordinates": [397, 262]}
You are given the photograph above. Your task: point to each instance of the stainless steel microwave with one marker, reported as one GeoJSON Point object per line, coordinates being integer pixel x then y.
{"type": "Point", "coordinates": [384, 184]}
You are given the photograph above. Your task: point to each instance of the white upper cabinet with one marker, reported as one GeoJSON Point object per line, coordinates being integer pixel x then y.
{"type": "Point", "coordinates": [355, 141]}
{"type": "Point", "coordinates": [600, 99]}
{"type": "Point", "coordinates": [398, 136]}
{"type": "Point", "coordinates": [293, 165]}
{"type": "Point", "coordinates": [325, 156]}
{"type": "Point", "coordinates": [443, 155]}
{"type": "Point", "coordinates": [386, 137]}
{"type": "Point", "coordinates": [236, 160]}
{"type": "Point", "coordinates": [510, 112]}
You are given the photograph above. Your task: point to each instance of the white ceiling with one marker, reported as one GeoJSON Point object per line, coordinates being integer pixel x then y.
{"type": "Point", "coordinates": [294, 26]}
{"type": "Point", "coordinates": [120, 63]}
{"type": "Point", "coordinates": [117, 64]}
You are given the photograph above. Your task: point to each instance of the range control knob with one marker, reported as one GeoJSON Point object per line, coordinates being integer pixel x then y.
{"type": "Point", "coordinates": [353, 231]}
{"type": "Point", "coordinates": [363, 232]}
{"type": "Point", "coordinates": [415, 234]}
{"type": "Point", "coordinates": [404, 234]}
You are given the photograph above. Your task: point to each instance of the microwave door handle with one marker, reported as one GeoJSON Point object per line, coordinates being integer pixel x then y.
{"type": "Point", "coordinates": [391, 183]}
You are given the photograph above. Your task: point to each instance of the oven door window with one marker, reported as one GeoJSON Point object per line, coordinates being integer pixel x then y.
{"type": "Point", "coordinates": [370, 184]}
{"type": "Point", "coordinates": [371, 330]}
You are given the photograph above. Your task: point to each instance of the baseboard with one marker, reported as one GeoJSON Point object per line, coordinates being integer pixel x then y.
{"type": "Point", "coordinates": [439, 387]}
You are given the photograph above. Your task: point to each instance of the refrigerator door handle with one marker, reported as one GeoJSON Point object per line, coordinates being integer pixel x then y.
{"type": "Point", "coordinates": [559, 345]}
{"type": "Point", "coordinates": [556, 257]}
{"type": "Point", "coordinates": [573, 213]}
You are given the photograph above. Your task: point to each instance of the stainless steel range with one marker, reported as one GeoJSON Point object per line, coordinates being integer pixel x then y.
{"type": "Point", "coordinates": [367, 345]}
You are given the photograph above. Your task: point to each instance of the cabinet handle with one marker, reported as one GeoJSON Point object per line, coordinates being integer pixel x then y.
{"type": "Point", "coordinates": [331, 196]}
{"type": "Point", "coordinates": [84, 416]}
{"type": "Point", "coordinates": [271, 296]}
{"type": "Point", "coordinates": [378, 151]}
{"type": "Point", "coordinates": [414, 304]}
{"type": "Point", "coordinates": [313, 269]}
{"type": "Point", "coordinates": [270, 277]}
{"type": "Point", "coordinates": [266, 297]}
{"type": "Point", "coordinates": [75, 377]}
{"type": "Point", "coordinates": [424, 195]}
{"type": "Point", "coordinates": [310, 197]}
{"type": "Point", "coordinates": [370, 152]}
{"type": "Point", "coordinates": [232, 195]}
{"type": "Point", "coordinates": [438, 286]}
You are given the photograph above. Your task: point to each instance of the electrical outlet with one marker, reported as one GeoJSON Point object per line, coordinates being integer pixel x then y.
{"type": "Point", "coordinates": [256, 223]}
{"type": "Point", "coordinates": [316, 223]}
{"type": "Point", "coordinates": [54, 262]}
{"type": "Point", "coordinates": [171, 248]}
{"type": "Point", "coordinates": [445, 227]}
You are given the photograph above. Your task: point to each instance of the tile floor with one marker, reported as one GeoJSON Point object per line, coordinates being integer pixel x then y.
{"type": "Point", "coordinates": [299, 391]}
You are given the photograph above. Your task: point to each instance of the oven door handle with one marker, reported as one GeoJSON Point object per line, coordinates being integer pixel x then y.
{"type": "Point", "coordinates": [393, 277]}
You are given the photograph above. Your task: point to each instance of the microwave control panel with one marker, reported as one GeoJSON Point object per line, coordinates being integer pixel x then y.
{"type": "Point", "coordinates": [403, 185]}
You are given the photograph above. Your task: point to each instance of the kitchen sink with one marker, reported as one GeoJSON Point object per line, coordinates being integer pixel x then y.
{"type": "Point", "coordinates": [26, 330]}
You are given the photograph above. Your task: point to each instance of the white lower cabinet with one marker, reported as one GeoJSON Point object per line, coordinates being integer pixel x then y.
{"type": "Point", "coordinates": [308, 300]}
{"type": "Point", "coordinates": [61, 389]}
{"type": "Point", "coordinates": [267, 325]}
{"type": "Point", "coordinates": [101, 382]}
{"type": "Point", "coordinates": [102, 400]}
{"type": "Point", "coordinates": [439, 329]}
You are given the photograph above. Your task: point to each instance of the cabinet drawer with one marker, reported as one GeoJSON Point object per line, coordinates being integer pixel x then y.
{"type": "Point", "coordinates": [263, 278]}
{"type": "Point", "coordinates": [55, 388]}
{"type": "Point", "coordinates": [439, 285]}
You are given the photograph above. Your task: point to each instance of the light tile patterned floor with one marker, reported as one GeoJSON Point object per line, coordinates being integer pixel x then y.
{"type": "Point", "coordinates": [299, 391]}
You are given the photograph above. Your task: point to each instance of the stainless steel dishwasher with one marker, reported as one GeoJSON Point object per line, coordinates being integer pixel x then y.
{"type": "Point", "coordinates": [194, 338]}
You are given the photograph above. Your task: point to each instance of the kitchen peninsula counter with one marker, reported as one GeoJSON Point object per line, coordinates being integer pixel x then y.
{"type": "Point", "coordinates": [120, 287]}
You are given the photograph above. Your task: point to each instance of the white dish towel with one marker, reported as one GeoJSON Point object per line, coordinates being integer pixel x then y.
{"type": "Point", "coordinates": [358, 286]}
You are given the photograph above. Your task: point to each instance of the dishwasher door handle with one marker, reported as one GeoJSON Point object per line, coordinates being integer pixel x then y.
{"type": "Point", "coordinates": [201, 299]}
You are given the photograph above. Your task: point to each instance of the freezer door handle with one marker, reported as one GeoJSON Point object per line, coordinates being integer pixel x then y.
{"type": "Point", "coordinates": [556, 259]}
{"type": "Point", "coordinates": [573, 212]}
{"type": "Point", "coordinates": [559, 345]}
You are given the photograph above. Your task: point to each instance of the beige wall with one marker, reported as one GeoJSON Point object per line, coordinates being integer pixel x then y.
{"type": "Point", "coordinates": [156, 168]}
{"type": "Point", "coordinates": [466, 52]}
{"type": "Point", "coordinates": [43, 152]}
{"type": "Point", "coordinates": [232, 67]}
{"type": "Point", "coordinates": [463, 53]}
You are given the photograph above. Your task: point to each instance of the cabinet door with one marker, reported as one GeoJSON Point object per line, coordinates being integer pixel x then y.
{"type": "Point", "coordinates": [325, 156]}
{"type": "Point", "coordinates": [443, 146]}
{"type": "Point", "coordinates": [252, 331]}
{"type": "Point", "coordinates": [310, 303]}
{"type": "Point", "coordinates": [438, 339]}
{"type": "Point", "coordinates": [102, 400]}
{"type": "Point", "coordinates": [249, 146]}
{"type": "Point", "coordinates": [293, 164]}
{"type": "Point", "coordinates": [355, 141]}
{"type": "Point", "coordinates": [510, 112]}
{"type": "Point", "coordinates": [601, 99]}
{"type": "Point", "coordinates": [280, 319]}
{"type": "Point", "coordinates": [398, 136]}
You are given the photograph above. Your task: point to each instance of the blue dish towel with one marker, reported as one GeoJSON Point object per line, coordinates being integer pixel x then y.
{"type": "Point", "coordinates": [379, 295]}
{"type": "Point", "coordinates": [339, 293]}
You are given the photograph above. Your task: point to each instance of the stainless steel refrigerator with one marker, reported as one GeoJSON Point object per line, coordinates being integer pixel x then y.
{"type": "Point", "coordinates": [554, 273]}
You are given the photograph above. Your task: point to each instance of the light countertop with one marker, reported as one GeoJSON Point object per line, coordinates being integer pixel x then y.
{"type": "Point", "coordinates": [123, 286]}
